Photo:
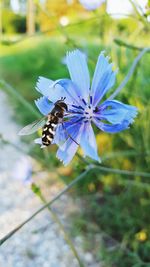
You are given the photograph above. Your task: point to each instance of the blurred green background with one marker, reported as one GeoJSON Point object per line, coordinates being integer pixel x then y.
{"type": "Point", "coordinates": [34, 45]}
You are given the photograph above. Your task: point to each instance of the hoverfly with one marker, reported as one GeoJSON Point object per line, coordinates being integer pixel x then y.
{"type": "Point", "coordinates": [48, 127]}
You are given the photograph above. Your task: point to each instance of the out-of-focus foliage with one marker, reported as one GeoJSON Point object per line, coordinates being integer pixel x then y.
{"type": "Point", "coordinates": [13, 23]}
{"type": "Point", "coordinates": [58, 14]}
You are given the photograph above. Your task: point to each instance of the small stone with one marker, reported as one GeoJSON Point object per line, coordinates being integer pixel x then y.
{"type": "Point", "coordinates": [88, 257]}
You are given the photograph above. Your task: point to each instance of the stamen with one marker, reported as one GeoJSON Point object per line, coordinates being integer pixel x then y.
{"type": "Point", "coordinates": [78, 120]}
{"type": "Point", "coordinates": [74, 106]}
{"type": "Point", "coordinates": [84, 101]}
{"type": "Point", "coordinates": [75, 112]}
{"type": "Point", "coordinates": [96, 109]}
{"type": "Point", "coordinates": [91, 99]}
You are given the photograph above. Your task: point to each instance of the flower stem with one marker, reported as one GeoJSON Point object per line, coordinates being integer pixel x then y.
{"type": "Point", "coordinates": [130, 73]}
{"type": "Point", "coordinates": [38, 192]}
{"type": "Point", "coordinates": [139, 12]}
{"type": "Point", "coordinates": [76, 180]}
{"type": "Point", "coordinates": [8, 88]}
{"type": "Point", "coordinates": [130, 46]}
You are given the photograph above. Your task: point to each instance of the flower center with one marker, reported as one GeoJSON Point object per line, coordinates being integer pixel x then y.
{"type": "Point", "coordinates": [88, 113]}
{"type": "Point", "coordinates": [85, 111]}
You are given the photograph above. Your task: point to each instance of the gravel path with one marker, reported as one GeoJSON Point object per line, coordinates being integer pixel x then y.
{"type": "Point", "coordinates": [39, 243]}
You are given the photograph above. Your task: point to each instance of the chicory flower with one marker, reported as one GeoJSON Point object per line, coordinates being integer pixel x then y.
{"type": "Point", "coordinates": [91, 4]}
{"type": "Point", "coordinates": [85, 106]}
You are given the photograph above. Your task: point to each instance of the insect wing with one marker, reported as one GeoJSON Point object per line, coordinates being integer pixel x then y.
{"type": "Point", "coordinates": [60, 136]}
{"type": "Point", "coordinates": [32, 127]}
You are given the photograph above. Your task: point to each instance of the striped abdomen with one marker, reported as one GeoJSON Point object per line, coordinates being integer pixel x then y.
{"type": "Point", "coordinates": [49, 130]}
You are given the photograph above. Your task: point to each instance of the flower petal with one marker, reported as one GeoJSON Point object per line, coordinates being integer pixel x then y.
{"type": "Point", "coordinates": [44, 105]}
{"type": "Point", "coordinates": [67, 151]}
{"type": "Point", "coordinates": [43, 84]}
{"type": "Point", "coordinates": [114, 128]}
{"type": "Point", "coordinates": [51, 89]}
{"type": "Point", "coordinates": [88, 142]}
{"type": "Point", "coordinates": [78, 69]}
{"type": "Point", "coordinates": [55, 90]}
{"type": "Point", "coordinates": [103, 80]}
{"type": "Point", "coordinates": [68, 90]}
{"type": "Point", "coordinates": [91, 5]}
{"type": "Point", "coordinates": [115, 112]}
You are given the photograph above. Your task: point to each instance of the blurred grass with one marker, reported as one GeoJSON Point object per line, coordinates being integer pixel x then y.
{"type": "Point", "coordinates": [120, 209]}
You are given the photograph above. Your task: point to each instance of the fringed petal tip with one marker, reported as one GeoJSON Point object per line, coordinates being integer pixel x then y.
{"type": "Point", "coordinates": [116, 112]}
{"type": "Point", "coordinates": [103, 79]}
{"type": "Point", "coordinates": [37, 86]}
{"type": "Point", "coordinates": [62, 158]}
{"type": "Point", "coordinates": [103, 56]}
{"type": "Point", "coordinates": [133, 112]}
{"type": "Point", "coordinates": [66, 153]}
{"type": "Point", "coordinates": [75, 52]}
{"type": "Point", "coordinates": [43, 85]}
{"type": "Point", "coordinates": [107, 60]}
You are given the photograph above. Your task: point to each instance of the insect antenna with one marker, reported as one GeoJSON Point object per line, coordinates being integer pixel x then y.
{"type": "Point", "coordinates": [63, 98]}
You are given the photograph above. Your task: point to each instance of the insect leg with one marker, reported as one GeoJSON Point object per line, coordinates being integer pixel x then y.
{"type": "Point", "coordinates": [69, 134]}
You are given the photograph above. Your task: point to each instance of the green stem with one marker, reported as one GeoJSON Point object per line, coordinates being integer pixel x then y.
{"type": "Point", "coordinates": [38, 192]}
{"type": "Point", "coordinates": [118, 171]}
{"type": "Point", "coordinates": [80, 22]}
{"type": "Point", "coordinates": [130, 46]}
{"type": "Point", "coordinates": [76, 180]}
{"type": "Point", "coordinates": [125, 153]}
{"type": "Point", "coordinates": [130, 73]}
{"type": "Point", "coordinates": [19, 97]}
{"type": "Point", "coordinates": [140, 16]}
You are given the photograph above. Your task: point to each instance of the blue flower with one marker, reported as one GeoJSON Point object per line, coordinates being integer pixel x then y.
{"type": "Point", "coordinates": [91, 4]}
{"type": "Point", "coordinates": [85, 106]}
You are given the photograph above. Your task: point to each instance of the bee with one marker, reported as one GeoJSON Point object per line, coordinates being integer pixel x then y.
{"type": "Point", "coordinates": [48, 127]}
